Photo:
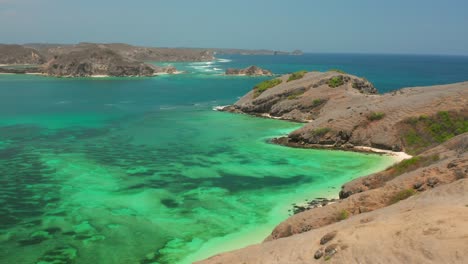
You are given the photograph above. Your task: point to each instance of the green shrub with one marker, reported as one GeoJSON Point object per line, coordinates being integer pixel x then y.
{"type": "Point", "coordinates": [420, 133]}
{"type": "Point", "coordinates": [265, 85]}
{"type": "Point", "coordinates": [317, 102]}
{"type": "Point", "coordinates": [413, 163]}
{"type": "Point", "coordinates": [335, 81]}
{"type": "Point", "coordinates": [320, 131]}
{"type": "Point", "coordinates": [295, 95]}
{"type": "Point", "coordinates": [402, 195]}
{"type": "Point", "coordinates": [375, 116]}
{"type": "Point", "coordinates": [338, 71]}
{"type": "Point", "coordinates": [296, 75]}
{"type": "Point", "coordinates": [342, 215]}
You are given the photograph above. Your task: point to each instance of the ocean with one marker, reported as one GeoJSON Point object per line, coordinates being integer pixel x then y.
{"type": "Point", "coordinates": [142, 170]}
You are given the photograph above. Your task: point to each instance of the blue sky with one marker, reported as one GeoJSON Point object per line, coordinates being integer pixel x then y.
{"type": "Point", "coordinates": [367, 26]}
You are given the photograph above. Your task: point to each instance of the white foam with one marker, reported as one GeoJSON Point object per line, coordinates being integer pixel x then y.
{"type": "Point", "coordinates": [219, 107]}
{"type": "Point", "coordinates": [224, 60]}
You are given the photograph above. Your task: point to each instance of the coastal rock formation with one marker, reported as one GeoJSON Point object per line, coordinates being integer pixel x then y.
{"type": "Point", "coordinates": [343, 111]}
{"type": "Point", "coordinates": [431, 227]}
{"type": "Point", "coordinates": [441, 165]}
{"type": "Point", "coordinates": [96, 60]}
{"type": "Point", "coordinates": [249, 71]}
{"type": "Point", "coordinates": [16, 54]}
{"type": "Point", "coordinates": [415, 209]}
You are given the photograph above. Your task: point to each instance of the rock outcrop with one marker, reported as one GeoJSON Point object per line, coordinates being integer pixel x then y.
{"type": "Point", "coordinates": [431, 227]}
{"type": "Point", "coordinates": [249, 71]}
{"type": "Point", "coordinates": [16, 54]}
{"type": "Point", "coordinates": [343, 111]}
{"type": "Point", "coordinates": [415, 209]}
{"type": "Point", "coordinates": [92, 61]}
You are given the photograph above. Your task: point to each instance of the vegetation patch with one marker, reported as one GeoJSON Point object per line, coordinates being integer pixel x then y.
{"type": "Point", "coordinates": [411, 164]}
{"type": "Point", "coordinates": [336, 81]}
{"type": "Point", "coordinates": [342, 215]}
{"type": "Point", "coordinates": [317, 102]}
{"type": "Point", "coordinates": [295, 95]}
{"type": "Point", "coordinates": [296, 75]}
{"type": "Point", "coordinates": [319, 132]}
{"type": "Point", "coordinates": [265, 85]}
{"type": "Point", "coordinates": [402, 195]}
{"type": "Point", "coordinates": [423, 132]}
{"type": "Point", "coordinates": [375, 116]}
{"type": "Point", "coordinates": [338, 71]}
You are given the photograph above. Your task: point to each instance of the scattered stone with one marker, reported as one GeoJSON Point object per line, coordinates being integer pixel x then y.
{"type": "Point", "coordinates": [317, 202]}
{"type": "Point", "coordinates": [328, 237]}
{"type": "Point", "coordinates": [318, 254]}
{"type": "Point", "coordinates": [418, 185]}
{"type": "Point", "coordinates": [330, 251]}
{"type": "Point", "coordinates": [431, 182]}
{"type": "Point", "coordinates": [451, 165]}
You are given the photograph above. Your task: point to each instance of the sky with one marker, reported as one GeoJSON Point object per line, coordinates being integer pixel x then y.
{"type": "Point", "coordinates": [335, 26]}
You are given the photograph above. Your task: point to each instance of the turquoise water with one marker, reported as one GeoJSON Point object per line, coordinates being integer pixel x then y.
{"type": "Point", "coordinates": [123, 170]}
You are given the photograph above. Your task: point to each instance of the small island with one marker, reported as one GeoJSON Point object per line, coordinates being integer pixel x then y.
{"type": "Point", "coordinates": [249, 71]}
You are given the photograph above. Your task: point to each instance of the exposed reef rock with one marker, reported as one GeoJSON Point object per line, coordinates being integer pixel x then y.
{"type": "Point", "coordinates": [343, 111]}
{"type": "Point", "coordinates": [16, 54]}
{"type": "Point", "coordinates": [249, 71]}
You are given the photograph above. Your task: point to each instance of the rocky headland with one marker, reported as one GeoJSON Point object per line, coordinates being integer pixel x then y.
{"type": "Point", "coordinates": [96, 60]}
{"type": "Point", "coordinates": [93, 60]}
{"type": "Point", "coordinates": [249, 71]}
{"type": "Point", "coordinates": [344, 111]}
{"type": "Point", "coordinates": [413, 212]}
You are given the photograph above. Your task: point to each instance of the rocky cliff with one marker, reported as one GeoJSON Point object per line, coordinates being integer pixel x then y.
{"type": "Point", "coordinates": [343, 111]}
{"type": "Point", "coordinates": [249, 71]}
{"type": "Point", "coordinates": [16, 54]}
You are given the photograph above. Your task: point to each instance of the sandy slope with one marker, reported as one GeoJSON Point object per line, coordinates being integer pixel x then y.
{"type": "Point", "coordinates": [431, 227]}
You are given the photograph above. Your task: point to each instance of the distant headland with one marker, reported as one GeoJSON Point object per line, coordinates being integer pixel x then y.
{"type": "Point", "coordinates": [96, 60]}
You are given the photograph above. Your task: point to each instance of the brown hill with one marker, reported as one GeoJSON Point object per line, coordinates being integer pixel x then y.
{"type": "Point", "coordinates": [343, 111]}
{"type": "Point", "coordinates": [16, 54]}
{"type": "Point", "coordinates": [95, 60]}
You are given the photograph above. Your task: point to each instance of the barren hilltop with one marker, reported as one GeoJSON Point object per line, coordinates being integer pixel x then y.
{"type": "Point", "coordinates": [90, 59]}
{"type": "Point", "coordinates": [413, 212]}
